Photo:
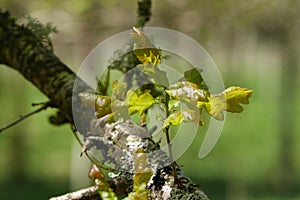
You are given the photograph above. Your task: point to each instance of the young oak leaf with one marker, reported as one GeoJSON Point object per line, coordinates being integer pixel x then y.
{"type": "Point", "coordinates": [180, 116]}
{"type": "Point", "coordinates": [187, 91]}
{"type": "Point", "coordinates": [102, 104]}
{"type": "Point", "coordinates": [143, 49]}
{"type": "Point", "coordinates": [148, 55]}
{"type": "Point", "coordinates": [173, 119]}
{"type": "Point", "coordinates": [229, 100]}
{"type": "Point", "coordinates": [142, 176]}
{"type": "Point", "coordinates": [154, 73]}
{"type": "Point", "coordinates": [138, 103]}
{"type": "Point", "coordinates": [194, 76]}
{"type": "Point", "coordinates": [142, 172]}
{"type": "Point", "coordinates": [173, 104]}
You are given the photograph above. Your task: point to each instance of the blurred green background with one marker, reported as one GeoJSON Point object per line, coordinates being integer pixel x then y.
{"type": "Point", "coordinates": [255, 44]}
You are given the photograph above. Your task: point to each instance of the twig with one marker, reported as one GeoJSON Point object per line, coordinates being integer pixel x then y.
{"type": "Point", "coordinates": [86, 193]}
{"type": "Point", "coordinates": [22, 117]}
{"type": "Point", "coordinates": [89, 156]}
{"type": "Point", "coordinates": [173, 164]}
{"type": "Point", "coordinates": [38, 104]}
{"type": "Point", "coordinates": [144, 12]}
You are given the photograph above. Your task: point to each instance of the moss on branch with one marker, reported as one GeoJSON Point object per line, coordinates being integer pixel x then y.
{"type": "Point", "coordinates": [22, 50]}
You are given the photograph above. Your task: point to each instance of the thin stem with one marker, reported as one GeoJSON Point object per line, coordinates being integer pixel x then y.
{"type": "Point", "coordinates": [144, 12]}
{"type": "Point", "coordinates": [22, 117]}
{"type": "Point", "coordinates": [173, 164]}
{"type": "Point", "coordinates": [89, 156]}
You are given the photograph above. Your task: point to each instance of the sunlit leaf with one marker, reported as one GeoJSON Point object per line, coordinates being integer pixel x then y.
{"type": "Point", "coordinates": [148, 55]}
{"type": "Point", "coordinates": [144, 50]}
{"type": "Point", "coordinates": [187, 91]}
{"type": "Point", "coordinates": [180, 116]}
{"type": "Point", "coordinates": [102, 104]}
{"type": "Point", "coordinates": [173, 119]}
{"type": "Point", "coordinates": [229, 100]}
{"type": "Point", "coordinates": [138, 102]}
{"type": "Point", "coordinates": [173, 104]}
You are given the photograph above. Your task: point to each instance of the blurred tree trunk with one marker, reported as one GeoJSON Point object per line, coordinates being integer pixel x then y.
{"type": "Point", "coordinates": [282, 29]}
{"type": "Point", "coordinates": [17, 147]}
{"type": "Point", "coordinates": [18, 152]}
{"type": "Point", "coordinates": [287, 121]}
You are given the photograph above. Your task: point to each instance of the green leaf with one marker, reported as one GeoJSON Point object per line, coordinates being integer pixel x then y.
{"type": "Point", "coordinates": [154, 73]}
{"type": "Point", "coordinates": [118, 89]}
{"type": "Point", "coordinates": [102, 104]}
{"type": "Point", "coordinates": [106, 193]}
{"type": "Point", "coordinates": [173, 104]}
{"type": "Point", "coordinates": [188, 91]}
{"type": "Point", "coordinates": [142, 176]}
{"type": "Point", "coordinates": [194, 76]}
{"type": "Point", "coordinates": [180, 116]}
{"type": "Point", "coordinates": [138, 103]}
{"type": "Point", "coordinates": [144, 50]}
{"type": "Point", "coordinates": [141, 194]}
{"type": "Point", "coordinates": [148, 55]}
{"type": "Point", "coordinates": [173, 119]}
{"type": "Point", "coordinates": [229, 100]}
{"type": "Point", "coordinates": [103, 189]}
{"type": "Point", "coordinates": [103, 82]}
{"type": "Point", "coordinates": [142, 172]}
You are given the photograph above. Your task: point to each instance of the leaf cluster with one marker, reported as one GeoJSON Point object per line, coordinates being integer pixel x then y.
{"type": "Point", "coordinates": [181, 102]}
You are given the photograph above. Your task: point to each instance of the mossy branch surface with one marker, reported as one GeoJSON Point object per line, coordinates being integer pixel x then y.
{"type": "Point", "coordinates": [23, 51]}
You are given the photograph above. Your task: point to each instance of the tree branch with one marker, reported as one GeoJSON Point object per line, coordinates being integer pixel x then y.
{"type": "Point", "coordinates": [21, 50]}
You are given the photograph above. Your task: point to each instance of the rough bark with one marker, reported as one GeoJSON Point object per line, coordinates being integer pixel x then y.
{"type": "Point", "coordinates": [22, 51]}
